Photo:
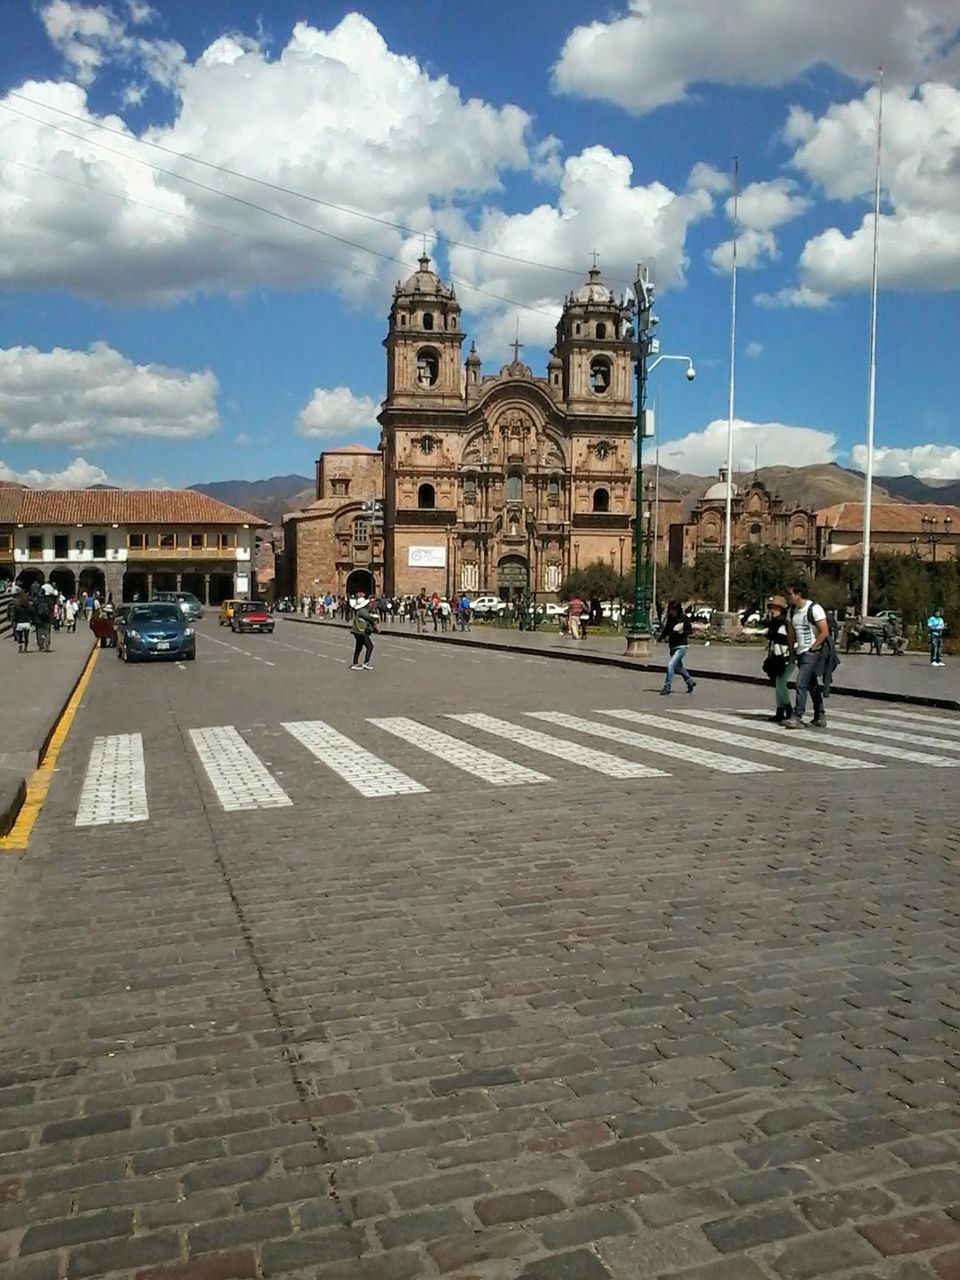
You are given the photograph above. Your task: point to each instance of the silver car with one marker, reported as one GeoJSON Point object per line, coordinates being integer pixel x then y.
{"type": "Point", "coordinates": [190, 606]}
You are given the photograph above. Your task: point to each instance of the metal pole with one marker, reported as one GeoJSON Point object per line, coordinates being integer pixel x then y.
{"type": "Point", "coordinates": [620, 613]}
{"type": "Point", "coordinates": [872, 379]}
{"type": "Point", "coordinates": [730, 398]}
{"type": "Point", "coordinates": [656, 510]}
{"type": "Point", "coordinates": [641, 622]}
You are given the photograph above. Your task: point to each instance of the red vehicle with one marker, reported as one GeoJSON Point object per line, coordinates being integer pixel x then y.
{"type": "Point", "coordinates": [251, 615]}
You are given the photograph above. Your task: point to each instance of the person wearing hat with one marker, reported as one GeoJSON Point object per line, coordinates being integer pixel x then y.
{"type": "Point", "coordinates": [780, 660]}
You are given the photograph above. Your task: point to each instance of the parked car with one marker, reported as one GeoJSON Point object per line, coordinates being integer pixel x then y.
{"type": "Point", "coordinates": [487, 605]}
{"type": "Point", "coordinates": [187, 602]}
{"type": "Point", "coordinates": [158, 629]}
{"type": "Point", "coordinates": [251, 615]}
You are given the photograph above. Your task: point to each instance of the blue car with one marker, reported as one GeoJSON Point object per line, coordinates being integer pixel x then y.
{"type": "Point", "coordinates": [155, 630]}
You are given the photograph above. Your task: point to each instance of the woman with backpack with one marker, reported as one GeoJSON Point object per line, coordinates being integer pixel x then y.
{"type": "Point", "coordinates": [676, 631]}
{"type": "Point", "coordinates": [780, 660]}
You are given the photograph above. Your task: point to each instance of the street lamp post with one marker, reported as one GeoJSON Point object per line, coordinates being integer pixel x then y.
{"type": "Point", "coordinates": [621, 540]}
{"type": "Point", "coordinates": [638, 636]}
{"type": "Point", "coordinates": [933, 539]}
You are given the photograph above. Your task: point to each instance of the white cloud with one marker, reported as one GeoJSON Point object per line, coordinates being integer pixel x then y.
{"type": "Point", "coordinates": [99, 397]}
{"type": "Point", "coordinates": [333, 112]}
{"type": "Point", "coordinates": [659, 49]}
{"type": "Point", "coordinates": [705, 452]}
{"type": "Point", "coordinates": [333, 413]}
{"type": "Point", "coordinates": [793, 297]}
{"type": "Point", "coordinates": [920, 225]}
{"type": "Point", "coordinates": [762, 207]}
{"type": "Point", "coordinates": [754, 350]}
{"type": "Point", "coordinates": [707, 178]}
{"type": "Point", "coordinates": [89, 36]}
{"type": "Point", "coordinates": [597, 205]}
{"type": "Point", "coordinates": [927, 461]}
{"type": "Point", "coordinates": [79, 474]}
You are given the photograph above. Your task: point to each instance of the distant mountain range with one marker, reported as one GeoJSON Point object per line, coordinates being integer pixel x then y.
{"type": "Point", "coordinates": [268, 499]}
{"type": "Point", "coordinates": [821, 485]}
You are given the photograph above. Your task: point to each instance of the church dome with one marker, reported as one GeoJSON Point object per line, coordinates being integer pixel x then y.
{"type": "Point", "coordinates": [593, 290]}
{"type": "Point", "coordinates": [718, 490]}
{"type": "Point", "coordinates": [425, 282]}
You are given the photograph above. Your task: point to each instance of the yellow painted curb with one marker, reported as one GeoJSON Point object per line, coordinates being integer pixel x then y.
{"type": "Point", "coordinates": [39, 784]}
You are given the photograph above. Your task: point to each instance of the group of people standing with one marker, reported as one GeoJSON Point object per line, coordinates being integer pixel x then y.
{"type": "Point", "coordinates": [43, 610]}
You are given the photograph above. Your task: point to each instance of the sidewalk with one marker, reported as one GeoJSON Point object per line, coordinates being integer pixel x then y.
{"type": "Point", "coordinates": [906, 679]}
{"type": "Point", "coordinates": [34, 688]}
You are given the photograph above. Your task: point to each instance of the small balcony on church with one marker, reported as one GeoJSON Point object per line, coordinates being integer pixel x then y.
{"type": "Point", "coordinates": [603, 520]}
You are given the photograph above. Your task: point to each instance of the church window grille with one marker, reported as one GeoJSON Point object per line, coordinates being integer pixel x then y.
{"type": "Point", "coordinates": [513, 489]}
{"type": "Point", "coordinates": [361, 533]}
{"type": "Point", "coordinates": [553, 489]}
{"type": "Point", "coordinates": [601, 330]}
{"type": "Point", "coordinates": [428, 319]}
{"type": "Point", "coordinates": [470, 491]}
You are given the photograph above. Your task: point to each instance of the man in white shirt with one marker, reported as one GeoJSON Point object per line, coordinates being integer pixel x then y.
{"type": "Point", "coordinates": [810, 626]}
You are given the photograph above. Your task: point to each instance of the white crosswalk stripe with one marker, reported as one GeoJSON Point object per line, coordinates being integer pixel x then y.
{"type": "Point", "coordinates": [115, 785]}
{"type": "Point", "coordinates": [675, 750]}
{"type": "Point", "coordinates": [496, 770]}
{"type": "Point", "coordinates": [236, 773]}
{"type": "Point", "coordinates": [947, 722]}
{"type": "Point", "coordinates": [364, 771]}
{"type": "Point", "coordinates": [813, 737]}
{"type": "Point", "coordinates": [938, 736]}
{"type": "Point", "coordinates": [794, 751]}
{"type": "Point", "coordinates": [573, 752]}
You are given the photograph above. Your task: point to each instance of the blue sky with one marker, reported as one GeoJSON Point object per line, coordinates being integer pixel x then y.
{"type": "Point", "coordinates": [155, 331]}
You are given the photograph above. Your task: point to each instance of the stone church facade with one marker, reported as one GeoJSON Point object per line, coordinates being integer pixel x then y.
{"type": "Point", "coordinates": [483, 478]}
{"type": "Point", "coordinates": [490, 477]}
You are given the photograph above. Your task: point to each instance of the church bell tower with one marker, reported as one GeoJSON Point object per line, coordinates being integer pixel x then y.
{"type": "Point", "coordinates": [423, 343]}
{"type": "Point", "coordinates": [594, 349]}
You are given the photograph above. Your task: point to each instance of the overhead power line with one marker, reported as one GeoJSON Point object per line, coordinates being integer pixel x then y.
{"type": "Point", "coordinates": [272, 213]}
{"type": "Point", "coordinates": [302, 195]}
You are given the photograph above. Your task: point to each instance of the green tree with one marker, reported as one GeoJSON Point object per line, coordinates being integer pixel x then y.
{"type": "Point", "coordinates": [757, 572]}
{"type": "Point", "coordinates": [598, 581]}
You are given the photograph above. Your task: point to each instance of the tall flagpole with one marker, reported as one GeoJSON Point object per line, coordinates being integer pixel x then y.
{"type": "Point", "coordinates": [656, 505]}
{"type": "Point", "coordinates": [872, 383]}
{"type": "Point", "coordinates": [728, 535]}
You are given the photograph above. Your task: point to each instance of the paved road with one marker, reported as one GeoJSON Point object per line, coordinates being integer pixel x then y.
{"type": "Point", "coordinates": [313, 990]}
{"type": "Point", "coordinates": [910, 675]}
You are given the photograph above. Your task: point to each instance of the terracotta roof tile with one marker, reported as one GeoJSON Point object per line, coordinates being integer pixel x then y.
{"type": "Point", "coordinates": [9, 505]}
{"type": "Point", "coordinates": [126, 506]}
{"type": "Point", "coordinates": [887, 517]}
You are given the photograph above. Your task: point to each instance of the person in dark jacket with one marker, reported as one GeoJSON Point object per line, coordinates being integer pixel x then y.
{"type": "Point", "coordinates": [363, 627]}
{"type": "Point", "coordinates": [22, 620]}
{"type": "Point", "coordinates": [676, 631]}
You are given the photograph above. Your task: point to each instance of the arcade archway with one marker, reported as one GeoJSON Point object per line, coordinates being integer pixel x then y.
{"type": "Point", "coordinates": [64, 581]}
{"type": "Point", "coordinates": [361, 582]}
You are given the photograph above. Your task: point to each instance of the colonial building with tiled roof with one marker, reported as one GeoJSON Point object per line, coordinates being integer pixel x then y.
{"type": "Point", "coordinates": [127, 542]}
{"type": "Point", "coordinates": [896, 528]}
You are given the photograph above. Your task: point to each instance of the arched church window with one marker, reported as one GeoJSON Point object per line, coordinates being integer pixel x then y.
{"type": "Point", "coordinates": [403, 319]}
{"type": "Point", "coordinates": [428, 367]}
{"type": "Point", "coordinates": [513, 489]}
{"type": "Point", "coordinates": [426, 497]}
{"type": "Point", "coordinates": [428, 319]}
{"type": "Point", "coordinates": [553, 490]}
{"type": "Point", "coordinates": [470, 490]}
{"type": "Point", "coordinates": [600, 375]}
{"type": "Point", "coordinates": [756, 533]}
{"type": "Point", "coordinates": [601, 329]}
{"type": "Point", "coordinates": [601, 500]}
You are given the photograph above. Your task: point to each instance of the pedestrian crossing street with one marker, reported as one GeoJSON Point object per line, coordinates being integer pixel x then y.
{"type": "Point", "coordinates": [635, 745]}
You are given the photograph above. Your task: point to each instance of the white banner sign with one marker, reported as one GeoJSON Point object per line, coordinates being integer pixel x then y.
{"type": "Point", "coordinates": [243, 582]}
{"type": "Point", "coordinates": [427, 557]}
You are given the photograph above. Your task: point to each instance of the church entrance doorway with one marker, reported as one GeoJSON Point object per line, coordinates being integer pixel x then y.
{"type": "Point", "coordinates": [360, 582]}
{"type": "Point", "coordinates": [511, 577]}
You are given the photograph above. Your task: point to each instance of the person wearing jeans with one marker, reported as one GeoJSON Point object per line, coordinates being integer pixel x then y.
{"type": "Point", "coordinates": [809, 623]}
{"type": "Point", "coordinates": [935, 629]}
{"type": "Point", "coordinates": [676, 631]}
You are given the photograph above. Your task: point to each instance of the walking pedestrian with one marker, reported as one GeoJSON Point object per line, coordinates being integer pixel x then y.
{"type": "Point", "coordinates": [676, 631]}
{"type": "Point", "coordinates": [22, 618]}
{"type": "Point", "coordinates": [935, 629]}
{"type": "Point", "coordinates": [809, 622]}
{"type": "Point", "coordinates": [445, 613]}
{"type": "Point", "coordinates": [42, 615]}
{"type": "Point", "coordinates": [364, 625]}
{"type": "Point", "coordinates": [780, 661]}
{"type": "Point", "coordinates": [574, 613]}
